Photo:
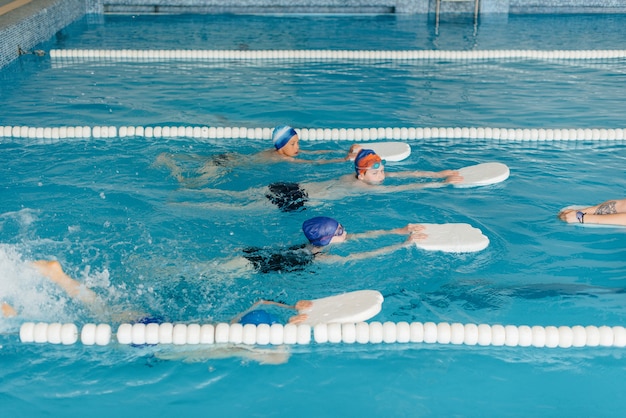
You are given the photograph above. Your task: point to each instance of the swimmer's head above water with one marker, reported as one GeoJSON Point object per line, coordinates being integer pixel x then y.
{"type": "Point", "coordinates": [369, 167]}
{"type": "Point", "coordinates": [321, 231]}
{"type": "Point", "coordinates": [286, 140]}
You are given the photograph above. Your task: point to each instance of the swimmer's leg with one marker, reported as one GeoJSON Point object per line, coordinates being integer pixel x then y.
{"type": "Point", "coordinates": [54, 271]}
{"type": "Point", "coordinates": [232, 200]}
{"type": "Point", "coordinates": [165, 160]}
{"type": "Point", "coordinates": [218, 206]}
{"type": "Point", "coordinates": [232, 268]}
{"type": "Point", "coordinates": [211, 168]}
{"type": "Point", "coordinates": [207, 172]}
{"type": "Point", "coordinates": [277, 355]}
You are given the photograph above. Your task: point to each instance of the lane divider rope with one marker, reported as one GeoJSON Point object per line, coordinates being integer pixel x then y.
{"type": "Point", "coordinates": [363, 55]}
{"type": "Point", "coordinates": [52, 134]}
{"type": "Point", "coordinates": [349, 333]}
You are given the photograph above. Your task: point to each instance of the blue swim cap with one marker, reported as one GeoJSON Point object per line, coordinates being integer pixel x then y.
{"type": "Point", "coordinates": [320, 230]}
{"type": "Point", "coordinates": [258, 317]}
{"type": "Point", "coordinates": [282, 134]}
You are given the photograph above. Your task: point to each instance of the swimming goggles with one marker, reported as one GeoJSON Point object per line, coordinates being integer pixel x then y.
{"type": "Point", "coordinates": [374, 166]}
{"type": "Point", "coordinates": [339, 232]}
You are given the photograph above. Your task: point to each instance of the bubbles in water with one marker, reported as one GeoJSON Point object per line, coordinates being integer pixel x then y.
{"type": "Point", "coordinates": [30, 294]}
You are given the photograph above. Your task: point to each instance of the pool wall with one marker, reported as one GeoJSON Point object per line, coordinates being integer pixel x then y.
{"type": "Point", "coordinates": [31, 23]}
{"type": "Point", "coordinates": [25, 23]}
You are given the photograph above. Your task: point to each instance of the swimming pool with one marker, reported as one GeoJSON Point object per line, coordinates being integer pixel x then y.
{"type": "Point", "coordinates": [123, 226]}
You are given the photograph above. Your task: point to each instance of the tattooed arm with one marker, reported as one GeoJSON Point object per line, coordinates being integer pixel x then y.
{"type": "Point", "coordinates": [611, 212]}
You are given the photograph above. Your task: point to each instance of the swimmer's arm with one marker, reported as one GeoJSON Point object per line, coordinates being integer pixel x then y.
{"type": "Point", "coordinates": [236, 319]}
{"type": "Point", "coordinates": [409, 229]}
{"type": "Point", "coordinates": [351, 155]}
{"type": "Point", "coordinates": [318, 162]}
{"type": "Point", "coordinates": [354, 151]}
{"type": "Point", "coordinates": [569, 216]}
{"type": "Point", "coordinates": [299, 305]}
{"type": "Point", "coordinates": [316, 152]}
{"type": "Point", "coordinates": [447, 174]}
{"type": "Point", "coordinates": [375, 253]}
{"type": "Point", "coordinates": [405, 187]}
{"type": "Point", "coordinates": [609, 219]}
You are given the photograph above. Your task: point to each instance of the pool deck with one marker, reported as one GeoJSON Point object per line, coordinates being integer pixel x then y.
{"type": "Point", "coordinates": [26, 23]}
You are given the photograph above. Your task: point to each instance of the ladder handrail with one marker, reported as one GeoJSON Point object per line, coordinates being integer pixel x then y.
{"type": "Point", "coordinates": [438, 9]}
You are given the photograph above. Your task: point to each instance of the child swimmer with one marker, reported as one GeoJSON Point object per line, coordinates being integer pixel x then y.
{"type": "Point", "coordinates": [291, 196]}
{"type": "Point", "coordinates": [286, 149]}
{"type": "Point", "coordinates": [321, 232]}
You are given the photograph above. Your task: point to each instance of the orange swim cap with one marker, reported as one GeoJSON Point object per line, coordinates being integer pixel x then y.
{"type": "Point", "coordinates": [365, 159]}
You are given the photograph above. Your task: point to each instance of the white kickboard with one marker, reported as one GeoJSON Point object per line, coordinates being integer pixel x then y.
{"type": "Point", "coordinates": [483, 174]}
{"type": "Point", "coordinates": [356, 306]}
{"type": "Point", "coordinates": [453, 238]}
{"type": "Point", "coordinates": [390, 151]}
{"type": "Point", "coordinates": [589, 225]}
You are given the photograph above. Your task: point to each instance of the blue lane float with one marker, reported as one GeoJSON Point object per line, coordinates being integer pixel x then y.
{"type": "Point", "coordinates": [332, 333]}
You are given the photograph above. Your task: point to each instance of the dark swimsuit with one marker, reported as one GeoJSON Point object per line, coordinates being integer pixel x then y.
{"type": "Point", "coordinates": [223, 160]}
{"type": "Point", "coordinates": [289, 197]}
{"type": "Point", "coordinates": [266, 260]}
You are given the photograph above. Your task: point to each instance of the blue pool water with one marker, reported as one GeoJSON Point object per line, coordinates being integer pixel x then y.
{"type": "Point", "coordinates": [123, 226]}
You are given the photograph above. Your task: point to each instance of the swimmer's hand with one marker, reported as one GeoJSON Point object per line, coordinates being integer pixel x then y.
{"type": "Point", "coordinates": [447, 173]}
{"type": "Point", "coordinates": [410, 229]}
{"type": "Point", "coordinates": [302, 305]}
{"type": "Point", "coordinates": [415, 237]}
{"type": "Point", "coordinates": [568, 215]}
{"type": "Point", "coordinates": [353, 151]}
{"type": "Point", "coordinates": [454, 178]}
{"type": "Point", "coordinates": [298, 319]}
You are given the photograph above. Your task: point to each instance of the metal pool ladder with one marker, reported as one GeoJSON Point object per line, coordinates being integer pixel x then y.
{"type": "Point", "coordinates": [438, 7]}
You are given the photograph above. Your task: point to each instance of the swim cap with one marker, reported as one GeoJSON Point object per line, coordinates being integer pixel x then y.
{"type": "Point", "coordinates": [151, 320]}
{"type": "Point", "coordinates": [258, 317]}
{"type": "Point", "coordinates": [320, 230]}
{"type": "Point", "coordinates": [364, 160]}
{"type": "Point", "coordinates": [282, 134]}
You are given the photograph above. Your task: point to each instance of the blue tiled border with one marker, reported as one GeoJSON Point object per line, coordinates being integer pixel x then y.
{"type": "Point", "coordinates": [33, 23]}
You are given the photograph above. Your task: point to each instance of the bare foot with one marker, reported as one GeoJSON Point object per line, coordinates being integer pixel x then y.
{"type": "Point", "coordinates": [52, 269]}
{"type": "Point", "coordinates": [8, 311]}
